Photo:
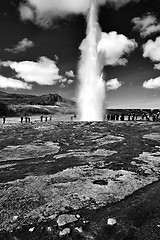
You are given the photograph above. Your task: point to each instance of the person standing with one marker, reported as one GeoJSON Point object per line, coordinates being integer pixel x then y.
{"type": "Point", "coordinates": [133, 117]}
{"type": "Point", "coordinates": [129, 117]}
{"type": "Point", "coordinates": [143, 116]}
{"type": "Point", "coordinates": [122, 117]}
{"type": "Point", "coordinates": [117, 117]}
{"type": "Point", "coordinates": [157, 117]}
{"type": "Point", "coordinates": [41, 118]}
{"type": "Point", "coordinates": [26, 119]}
{"type": "Point", "coordinates": [21, 119]}
{"type": "Point", "coordinates": [3, 119]}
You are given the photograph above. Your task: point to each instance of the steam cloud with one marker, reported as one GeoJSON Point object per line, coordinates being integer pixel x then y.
{"type": "Point", "coordinates": [98, 49]}
{"type": "Point", "coordinates": [91, 97]}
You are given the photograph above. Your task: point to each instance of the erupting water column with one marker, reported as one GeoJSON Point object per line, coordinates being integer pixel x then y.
{"type": "Point", "coordinates": [91, 98]}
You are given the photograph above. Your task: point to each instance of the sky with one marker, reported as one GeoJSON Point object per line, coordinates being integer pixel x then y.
{"type": "Point", "coordinates": [39, 48]}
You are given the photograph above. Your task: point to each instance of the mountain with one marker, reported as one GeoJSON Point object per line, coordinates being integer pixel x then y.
{"type": "Point", "coordinates": [17, 104]}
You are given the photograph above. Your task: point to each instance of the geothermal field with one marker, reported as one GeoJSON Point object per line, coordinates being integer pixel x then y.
{"type": "Point", "coordinates": [80, 180]}
{"type": "Point", "coordinates": [88, 179]}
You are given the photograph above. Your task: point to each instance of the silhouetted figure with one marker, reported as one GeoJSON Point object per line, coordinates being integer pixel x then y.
{"type": "Point", "coordinates": [75, 115]}
{"type": "Point", "coordinates": [21, 119]}
{"type": "Point", "coordinates": [143, 115]}
{"type": "Point", "coordinates": [41, 118]}
{"type": "Point", "coordinates": [50, 118]}
{"type": "Point", "coordinates": [29, 119]}
{"type": "Point", "coordinates": [26, 119]}
{"type": "Point", "coordinates": [117, 117]}
{"type": "Point", "coordinates": [122, 117]}
{"type": "Point", "coordinates": [133, 117]}
{"type": "Point", "coordinates": [129, 117]}
{"type": "Point", "coordinates": [46, 118]}
{"type": "Point", "coordinates": [153, 117]}
{"type": "Point", "coordinates": [71, 118]}
{"type": "Point", "coordinates": [147, 117]}
{"type": "Point", "coordinates": [157, 117]}
{"type": "Point", "coordinates": [3, 119]}
{"type": "Point", "coordinates": [113, 117]}
{"type": "Point", "coordinates": [108, 117]}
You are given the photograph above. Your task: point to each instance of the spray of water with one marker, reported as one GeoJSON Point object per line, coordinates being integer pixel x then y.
{"type": "Point", "coordinates": [91, 98]}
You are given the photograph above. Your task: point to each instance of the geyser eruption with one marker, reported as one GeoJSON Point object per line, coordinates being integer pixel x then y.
{"type": "Point", "coordinates": [91, 98]}
{"type": "Point", "coordinates": [98, 49]}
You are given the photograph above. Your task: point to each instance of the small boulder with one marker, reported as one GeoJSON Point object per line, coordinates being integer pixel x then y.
{"type": "Point", "coordinates": [65, 219]}
{"type": "Point", "coordinates": [49, 229]}
{"type": "Point", "coordinates": [111, 221]}
{"type": "Point", "coordinates": [79, 229]}
{"type": "Point", "coordinates": [31, 229]}
{"type": "Point", "coordinates": [78, 216]}
{"type": "Point", "coordinates": [64, 232]}
{"type": "Point", "coordinates": [15, 218]}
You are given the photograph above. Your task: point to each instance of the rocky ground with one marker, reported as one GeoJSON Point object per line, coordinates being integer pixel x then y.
{"type": "Point", "coordinates": [80, 180]}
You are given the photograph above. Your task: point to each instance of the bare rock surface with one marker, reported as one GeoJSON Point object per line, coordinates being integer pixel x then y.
{"type": "Point", "coordinates": [34, 150]}
{"type": "Point", "coordinates": [152, 136]}
{"type": "Point", "coordinates": [72, 177]}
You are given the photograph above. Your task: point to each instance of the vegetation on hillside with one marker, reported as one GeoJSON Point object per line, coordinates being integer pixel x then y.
{"type": "Point", "coordinates": [20, 104]}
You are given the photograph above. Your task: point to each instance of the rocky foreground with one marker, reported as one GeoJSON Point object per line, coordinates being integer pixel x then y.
{"type": "Point", "coordinates": [77, 180]}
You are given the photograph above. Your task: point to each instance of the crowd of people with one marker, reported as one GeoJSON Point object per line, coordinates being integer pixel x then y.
{"type": "Point", "coordinates": [108, 117]}
{"type": "Point", "coordinates": [26, 119]}
{"type": "Point", "coordinates": [133, 117]}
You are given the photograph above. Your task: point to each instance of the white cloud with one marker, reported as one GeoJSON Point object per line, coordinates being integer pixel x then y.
{"type": "Point", "coordinates": [22, 46]}
{"type": "Point", "coordinates": [146, 25]}
{"type": "Point", "coordinates": [113, 84]}
{"type": "Point", "coordinates": [43, 72]}
{"type": "Point", "coordinates": [151, 49]}
{"type": "Point", "coordinates": [120, 3]}
{"type": "Point", "coordinates": [70, 73]}
{"type": "Point", "coordinates": [26, 12]}
{"type": "Point", "coordinates": [70, 81]}
{"type": "Point", "coordinates": [13, 83]}
{"type": "Point", "coordinates": [64, 80]}
{"type": "Point", "coordinates": [157, 66]}
{"type": "Point", "coordinates": [62, 85]}
{"type": "Point", "coordinates": [115, 46]}
{"type": "Point", "coordinates": [43, 12]}
{"type": "Point", "coordinates": [152, 83]}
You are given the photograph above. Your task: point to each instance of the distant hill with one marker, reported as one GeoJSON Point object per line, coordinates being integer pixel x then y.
{"type": "Point", "coordinates": [17, 104]}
